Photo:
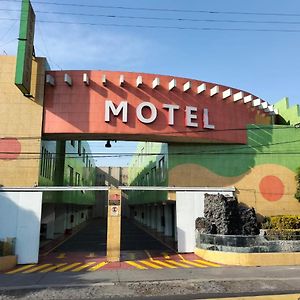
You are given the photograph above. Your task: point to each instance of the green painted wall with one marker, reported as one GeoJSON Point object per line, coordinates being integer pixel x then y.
{"type": "Point", "coordinates": [65, 156]}
{"type": "Point", "coordinates": [266, 144]}
{"type": "Point", "coordinates": [144, 170]}
{"type": "Point", "coordinates": [289, 115]}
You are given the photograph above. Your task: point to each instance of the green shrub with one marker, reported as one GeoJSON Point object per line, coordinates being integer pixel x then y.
{"type": "Point", "coordinates": [282, 222]}
{"type": "Point", "coordinates": [285, 222]}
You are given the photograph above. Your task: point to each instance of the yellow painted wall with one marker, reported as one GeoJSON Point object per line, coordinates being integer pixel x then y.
{"type": "Point", "coordinates": [21, 117]}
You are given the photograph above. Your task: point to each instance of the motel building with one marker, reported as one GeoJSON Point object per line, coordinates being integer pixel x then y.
{"type": "Point", "coordinates": [195, 137]}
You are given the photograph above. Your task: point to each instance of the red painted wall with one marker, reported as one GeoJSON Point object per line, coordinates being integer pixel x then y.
{"type": "Point", "coordinates": [78, 111]}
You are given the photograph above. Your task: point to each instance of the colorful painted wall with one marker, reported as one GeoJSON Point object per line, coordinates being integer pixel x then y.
{"type": "Point", "coordinates": [263, 171]}
{"type": "Point", "coordinates": [20, 124]}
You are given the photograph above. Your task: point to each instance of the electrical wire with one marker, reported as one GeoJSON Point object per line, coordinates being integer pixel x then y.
{"type": "Point", "coordinates": [167, 27]}
{"type": "Point", "coordinates": [259, 128]}
{"type": "Point", "coordinates": [158, 18]}
{"type": "Point", "coordinates": [200, 152]}
{"type": "Point", "coordinates": [162, 9]}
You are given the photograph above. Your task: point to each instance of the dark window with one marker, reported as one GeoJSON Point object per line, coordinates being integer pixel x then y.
{"type": "Point", "coordinates": [162, 169]}
{"type": "Point", "coordinates": [153, 176]}
{"type": "Point", "coordinates": [79, 147]}
{"type": "Point", "coordinates": [71, 176]}
{"type": "Point", "coordinates": [83, 154]}
{"type": "Point", "coordinates": [77, 179]}
{"type": "Point", "coordinates": [42, 162]}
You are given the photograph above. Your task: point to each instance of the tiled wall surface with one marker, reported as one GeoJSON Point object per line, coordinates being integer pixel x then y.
{"type": "Point", "coordinates": [21, 119]}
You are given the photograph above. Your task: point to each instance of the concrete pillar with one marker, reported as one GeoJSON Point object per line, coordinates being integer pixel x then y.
{"type": "Point", "coordinates": [113, 225]}
{"type": "Point", "coordinates": [148, 223]}
{"type": "Point", "coordinates": [168, 220]}
{"type": "Point", "coordinates": [60, 216]}
{"type": "Point", "coordinates": [138, 213]}
{"type": "Point", "coordinates": [50, 226]}
{"type": "Point", "coordinates": [69, 217]}
{"type": "Point", "coordinates": [175, 222]}
{"type": "Point", "coordinates": [48, 218]}
{"type": "Point", "coordinates": [153, 217]}
{"type": "Point", "coordinates": [144, 214]}
{"type": "Point", "coordinates": [159, 215]}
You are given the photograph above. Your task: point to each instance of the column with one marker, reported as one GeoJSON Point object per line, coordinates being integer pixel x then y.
{"type": "Point", "coordinates": [153, 217]}
{"type": "Point", "coordinates": [168, 220]}
{"type": "Point", "coordinates": [159, 227]}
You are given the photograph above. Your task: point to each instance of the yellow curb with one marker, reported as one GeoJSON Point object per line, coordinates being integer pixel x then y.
{"type": "Point", "coordinates": [250, 259]}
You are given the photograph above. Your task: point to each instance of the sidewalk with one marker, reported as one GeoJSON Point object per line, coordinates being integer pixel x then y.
{"type": "Point", "coordinates": [198, 283]}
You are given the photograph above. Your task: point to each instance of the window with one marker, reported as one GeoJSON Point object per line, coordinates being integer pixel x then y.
{"type": "Point", "coordinates": [87, 160]}
{"type": "Point", "coordinates": [153, 176]}
{"type": "Point", "coordinates": [83, 154]}
{"type": "Point", "coordinates": [72, 143]}
{"type": "Point", "coordinates": [161, 165]}
{"type": "Point", "coordinates": [49, 165]}
{"type": "Point", "coordinates": [79, 148]}
{"type": "Point", "coordinates": [42, 162]}
{"type": "Point", "coordinates": [77, 179]}
{"type": "Point", "coordinates": [147, 179]}
{"type": "Point", "coordinates": [71, 176]}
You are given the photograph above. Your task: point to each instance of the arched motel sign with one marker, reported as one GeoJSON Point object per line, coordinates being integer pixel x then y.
{"type": "Point", "coordinates": [136, 106]}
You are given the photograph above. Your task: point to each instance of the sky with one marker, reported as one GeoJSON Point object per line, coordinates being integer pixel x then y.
{"type": "Point", "coordinates": [250, 45]}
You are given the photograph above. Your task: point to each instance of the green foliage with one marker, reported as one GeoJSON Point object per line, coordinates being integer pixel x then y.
{"type": "Point", "coordinates": [286, 222]}
{"type": "Point", "coordinates": [297, 194]}
{"type": "Point", "coordinates": [282, 227]}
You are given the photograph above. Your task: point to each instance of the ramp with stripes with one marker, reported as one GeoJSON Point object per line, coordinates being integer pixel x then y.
{"type": "Point", "coordinates": [92, 266]}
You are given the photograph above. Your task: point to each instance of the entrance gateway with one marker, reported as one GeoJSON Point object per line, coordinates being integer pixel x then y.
{"type": "Point", "coordinates": [149, 107]}
{"type": "Point", "coordinates": [92, 105]}
{"type": "Point", "coordinates": [15, 203]}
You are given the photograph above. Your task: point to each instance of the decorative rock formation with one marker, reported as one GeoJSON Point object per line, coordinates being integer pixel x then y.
{"type": "Point", "coordinates": [223, 215]}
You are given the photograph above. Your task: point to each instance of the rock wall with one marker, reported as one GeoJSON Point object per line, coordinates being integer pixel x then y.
{"type": "Point", "coordinates": [224, 215]}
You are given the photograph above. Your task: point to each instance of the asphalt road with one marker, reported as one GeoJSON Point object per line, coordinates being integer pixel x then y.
{"type": "Point", "coordinates": [159, 284]}
{"type": "Point", "coordinates": [92, 238]}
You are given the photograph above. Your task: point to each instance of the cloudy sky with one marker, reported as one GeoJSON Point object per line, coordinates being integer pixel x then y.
{"type": "Point", "coordinates": [251, 45]}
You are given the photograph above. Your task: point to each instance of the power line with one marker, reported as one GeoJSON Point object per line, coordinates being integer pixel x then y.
{"type": "Point", "coordinates": [7, 32]}
{"type": "Point", "coordinates": [207, 152]}
{"type": "Point", "coordinates": [163, 9]}
{"type": "Point", "coordinates": [46, 49]}
{"type": "Point", "coordinates": [167, 27]}
{"type": "Point", "coordinates": [160, 18]}
{"type": "Point", "coordinates": [258, 127]}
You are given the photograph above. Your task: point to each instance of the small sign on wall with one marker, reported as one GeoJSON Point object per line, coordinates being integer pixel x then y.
{"type": "Point", "coordinates": [114, 211]}
{"type": "Point", "coordinates": [114, 202]}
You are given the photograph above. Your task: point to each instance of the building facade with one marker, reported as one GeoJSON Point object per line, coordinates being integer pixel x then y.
{"type": "Point", "coordinates": [263, 170]}
{"type": "Point", "coordinates": [28, 160]}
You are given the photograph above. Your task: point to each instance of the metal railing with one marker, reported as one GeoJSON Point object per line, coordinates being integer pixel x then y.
{"type": "Point", "coordinates": [122, 187]}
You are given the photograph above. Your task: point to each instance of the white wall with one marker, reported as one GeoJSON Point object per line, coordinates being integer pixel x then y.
{"type": "Point", "coordinates": [20, 217]}
{"type": "Point", "coordinates": [190, 206]}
